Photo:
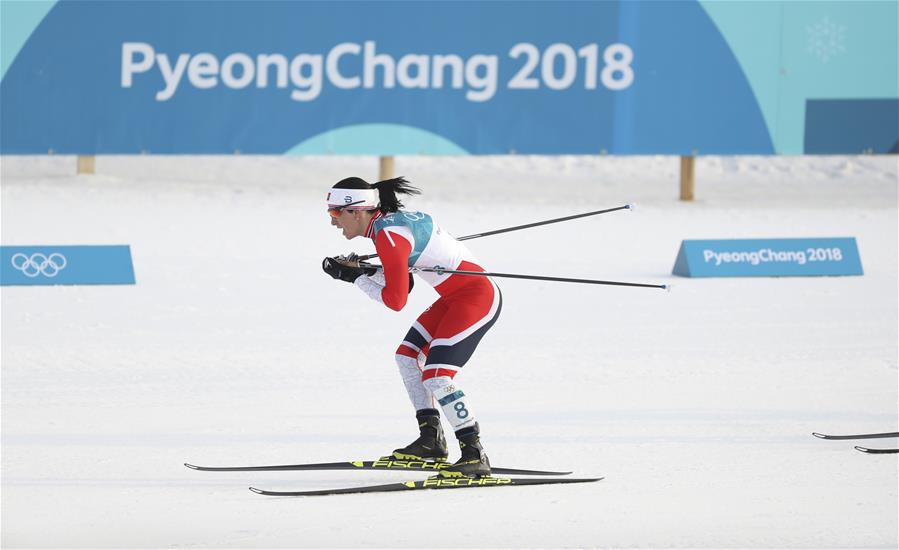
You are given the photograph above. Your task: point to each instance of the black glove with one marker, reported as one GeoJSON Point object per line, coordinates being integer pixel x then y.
{"type": "Point", "coordinates": [339, 270]}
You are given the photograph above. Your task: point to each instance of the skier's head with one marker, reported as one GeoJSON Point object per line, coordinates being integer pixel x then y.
{"type": "Point", "coordinates": [352, 202]}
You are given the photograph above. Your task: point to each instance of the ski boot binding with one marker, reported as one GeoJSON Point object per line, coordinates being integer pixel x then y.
{"type": "Point", "coordinates": [430, 445]}
{"type": "Point", "coordinates": [474, 462]}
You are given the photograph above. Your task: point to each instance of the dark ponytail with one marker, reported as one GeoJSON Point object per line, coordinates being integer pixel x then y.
{"type": "Point", "coordinates": [389, 189]}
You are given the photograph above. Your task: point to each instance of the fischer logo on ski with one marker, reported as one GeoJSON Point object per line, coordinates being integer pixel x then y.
{"type": "Point", "coordinates": [465, 481]}
{"type": "Point", "coordinates": [386, 462]}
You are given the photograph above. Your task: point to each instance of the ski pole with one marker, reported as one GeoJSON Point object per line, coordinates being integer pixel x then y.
{"type": "Point", "coordinates": [547, 222]}
{"type": "Point", "coordinates": [441, 271]}
{"type": "Point", "coordinates": [529, 225]}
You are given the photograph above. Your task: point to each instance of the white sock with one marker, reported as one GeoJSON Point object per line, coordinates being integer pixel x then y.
{"type": "Point", "coordinates": [421, 398]}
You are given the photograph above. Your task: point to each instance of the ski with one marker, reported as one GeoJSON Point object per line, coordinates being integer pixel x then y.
{"type": "Point", "coordinates": [384, 463]}
{"type": "Point", "coordinates": [876, 451]}
{"type": "Point", "coordinates": [430, 483]}
{"type": "Point", "coordinates": [859, 436]}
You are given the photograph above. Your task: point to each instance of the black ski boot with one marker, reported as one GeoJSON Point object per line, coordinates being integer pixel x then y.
{"type": "Point", "coordinates": [431, 444]}
{"type": "Point", "coordinates": [474, 462]}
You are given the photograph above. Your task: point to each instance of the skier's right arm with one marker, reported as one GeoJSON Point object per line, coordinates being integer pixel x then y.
{"type": "Point", "coordinates": [394, 250]}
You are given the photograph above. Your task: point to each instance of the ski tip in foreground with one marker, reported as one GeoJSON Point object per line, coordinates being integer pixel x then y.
{"type": "Point", "coordinates": [631, 206]}
{"type": "Point", "coordinates": [869, 450]}
{"type": "Point", "coordinates": [433, 482]}
{"type": "Point", "coordinates": [191, 466]}
{"type": "Point", "coordinates": [822, 436]}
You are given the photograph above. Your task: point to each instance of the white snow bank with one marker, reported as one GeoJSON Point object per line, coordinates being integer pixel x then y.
{"type": "Point", "coordinates": [233, 347]}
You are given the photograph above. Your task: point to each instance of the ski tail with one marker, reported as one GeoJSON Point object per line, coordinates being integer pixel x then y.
{"type": "Point", "coordinates": [349, 465]}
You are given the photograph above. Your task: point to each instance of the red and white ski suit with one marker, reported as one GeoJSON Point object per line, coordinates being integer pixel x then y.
{"type": "Point", "coordinates": [444, 337]}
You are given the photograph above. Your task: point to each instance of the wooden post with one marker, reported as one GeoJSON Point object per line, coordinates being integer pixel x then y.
{"type": "Point", "coordinates": [385, 170]}
{"type": "Point", "coordinates": [687, 178]}
{"type": "Point", "coordinates": [87, 164]}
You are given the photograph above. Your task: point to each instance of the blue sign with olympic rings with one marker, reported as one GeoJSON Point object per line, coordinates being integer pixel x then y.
{"type": "Point", "coordinates": [66, 265]}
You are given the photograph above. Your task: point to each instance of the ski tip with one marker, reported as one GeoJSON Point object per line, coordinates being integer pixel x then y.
{"type": "Point", "coordinates": [257, 491]}
{"type": "Point", "coordinates": [191, 466]}
{"type": "Point", "coordinates": [583, 480]}
{"type": "Point", "coordinates": [821, 436]}
{"type": "Point", "coordinates": [666, 288]}
{"type": "Point", "coordinates": [631, 206]}
{"type": "Point", "coordinates": [580, 479]}
{"type": "Point", "coordinates": [869, 450]}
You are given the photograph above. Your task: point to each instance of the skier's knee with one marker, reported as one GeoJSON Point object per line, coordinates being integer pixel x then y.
{"type": "Point", "coordinates": [404, 362]}
{"type": "Point", "coordinates": [438, 384]}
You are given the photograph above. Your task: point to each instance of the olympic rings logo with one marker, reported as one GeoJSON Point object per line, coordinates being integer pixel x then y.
{"type": "Point", "coordinates": [39, 264]}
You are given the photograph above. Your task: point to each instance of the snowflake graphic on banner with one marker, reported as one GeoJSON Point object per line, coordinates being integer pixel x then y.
{"type": "Point", "coordinates": [826, 39]}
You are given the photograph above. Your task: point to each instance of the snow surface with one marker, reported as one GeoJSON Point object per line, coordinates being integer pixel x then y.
{"type": "Point", "coordinates": [233, 348]}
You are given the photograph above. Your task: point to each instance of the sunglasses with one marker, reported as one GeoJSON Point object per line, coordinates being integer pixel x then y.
{"type": "Point", "coordinates": [335, 211]}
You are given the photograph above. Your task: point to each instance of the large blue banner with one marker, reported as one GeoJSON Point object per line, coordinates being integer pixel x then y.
{"type": "Point", "coordinates": [373, 77]}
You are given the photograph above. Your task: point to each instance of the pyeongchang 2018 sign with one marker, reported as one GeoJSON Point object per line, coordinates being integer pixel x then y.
{"type": "Point", "coordinates": [768, 258]}
{"type": "Point", "coordinates": [447, 77]}
{"type": "Point", "coordinates": [207, 77]}
{"type": "Point", "coordinates": [305, 75]}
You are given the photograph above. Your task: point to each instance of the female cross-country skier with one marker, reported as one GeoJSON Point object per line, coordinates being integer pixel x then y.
{"type": "Point", "coordinates": [444, 337]}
